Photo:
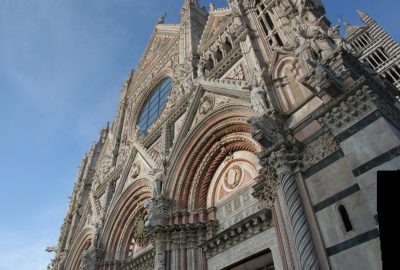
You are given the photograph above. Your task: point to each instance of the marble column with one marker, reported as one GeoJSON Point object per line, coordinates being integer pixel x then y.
{"type": "Point", "coordinates": [283, 161]}
{"type": "Point", "coordinates": [175, 251]}
{"type": "Point", "coordinates": [160, 246]}
{"type": "Point", "coordinates": [191, 250]}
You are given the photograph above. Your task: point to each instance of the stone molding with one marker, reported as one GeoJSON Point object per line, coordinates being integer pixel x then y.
{"type": "Point", "coordinates": [144, 261]}
{"type": "Point", "coordinates": [357, 106]}
{"type": "Point", "coordinates": [245, 229]}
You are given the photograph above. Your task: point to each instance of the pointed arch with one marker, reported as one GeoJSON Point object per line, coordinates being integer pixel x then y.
{"type": "Point", "coordinates": [208, 143]}
{"type": "Point", "coordinates": [82, 242]}
{"type": "Point", "coordinates": [120, 222]}
{"type": "Point", "coordinates": [288, 91]}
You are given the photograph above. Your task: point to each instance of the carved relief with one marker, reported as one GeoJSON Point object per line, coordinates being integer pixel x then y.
{"type": "Point", "coordinates": [206, 104]}
{"type": "Point", "coordinates": [349, 111]}
{"type": "Point", "coordinates": [155, 150]}
{"type": "Point", "coordinates": [135, 171]}
{"type": "Point", "coordinates": [319, 149]}
{"type": "Point", "coordinates": [141, 234]}
{"type": "Point", "coordinates": [236, 74]}
{"type": "Point", "coordinates": [219, 100]}
{"type": "Point", "coordinates": [233, 177]}
{"type": "Point", "coordinates": [266, 187]}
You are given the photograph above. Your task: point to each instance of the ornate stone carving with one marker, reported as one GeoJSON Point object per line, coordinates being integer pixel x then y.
{"type": "Point", "coordinates": [91, 258]}
{"type": "Point", "coordinates": [319, 40]}
{"type": "Point", "coordinates": [135, 171]}
{"type": "Point", "coordinates": [266, 187]}
{"type": "Point", "coordinates": [233, 177]}
{"type": "Point", "coordinates": [206, 104]}
{"type": "Point", "coordinates": [265, 130]}
{"type": "Point", "coordinates": [157, 212]}
{"type": "Point", "coordinates": [258, 97]}
{"type": "Point", "coordinates": [141, 234]}
{"type": "Point", "coordinates": [322, 80]}
{"type": "Point", "coordinates": [212, 228]}
{"type": "Point", "coordinates": [351, 110]}
{"type": "Point", "coordinates": [236, 74]}
{"type": "Point", "coordinates": [145, 261]}
{"type": "Point", "coordinates": [319, 149]}
{"type": "Point", "coordinates": [302, 6]}
{"type": "Point", "coordinates": [246, 228]}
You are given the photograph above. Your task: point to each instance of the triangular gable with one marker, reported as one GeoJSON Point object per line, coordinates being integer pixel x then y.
{"type": "Point", "coordinates": [163, 37]}
{"type": "Point", "coordinates": [217, 20]}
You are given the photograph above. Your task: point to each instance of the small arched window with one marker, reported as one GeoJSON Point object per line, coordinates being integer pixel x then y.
{"type": "Point", "coordinates": [345, 218]}
{"type": "Point", "coordinates": [154, 104]}
{"type": "Point", "coordinates": [227, 46]}
{"type": "Point", "coordinates": [218, 55]}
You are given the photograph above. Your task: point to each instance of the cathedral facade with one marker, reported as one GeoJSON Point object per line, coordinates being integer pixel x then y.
{"type": "Point", "coordinates": [249, 137]}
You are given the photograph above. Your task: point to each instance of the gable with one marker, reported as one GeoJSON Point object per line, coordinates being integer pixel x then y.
{"type": "Point", "coordinates": [216, 23]}
{"type": "Point", "coordinates": [163, 37]}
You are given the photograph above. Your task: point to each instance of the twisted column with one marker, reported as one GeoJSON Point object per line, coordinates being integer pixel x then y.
{"type": "Point", "coordinates": [282, 162]}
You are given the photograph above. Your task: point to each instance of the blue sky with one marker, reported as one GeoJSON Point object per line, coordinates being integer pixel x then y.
{"type": "Point", "coordinates": [62, 64]}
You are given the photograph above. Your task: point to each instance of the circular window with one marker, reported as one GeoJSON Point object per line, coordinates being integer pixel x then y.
{"type": "Point", "coordinates": [154, 104]}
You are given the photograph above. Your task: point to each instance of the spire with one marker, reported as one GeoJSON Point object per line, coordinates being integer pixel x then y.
{"type": "Point", "coordinates": [361, 13]}
{"type": "Point", "coordinates": [365, 17]}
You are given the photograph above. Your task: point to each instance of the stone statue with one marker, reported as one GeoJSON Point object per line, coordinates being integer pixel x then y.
{"type": "Point", "coordinates": [148, 220]}
{"type": "Point", "coordinates": [301, 7]}
{"type": "Point", "coordinates": [320, 42]}
{"type": "Point", "coordinates": [161, 19]}
{"type": "Point", "coordinates": [157, 183]}
{"type": "Point", "coordinates": [258, 99]}
{"type": "Point", "coordinates": [333, 33]}
{"type": "Point", "coordinates": [200, 67]}
{"type": "Point", "coordinates": [321, 72]}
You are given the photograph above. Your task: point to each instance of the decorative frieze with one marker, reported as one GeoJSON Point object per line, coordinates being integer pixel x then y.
{"type": "Point", "coordinates": [144, 261]}
{"type": "Point", "coordinates": [319, 149]}
{"type": "Point", "coordinates": [244, 229]}
{"type": "Point", "coordinates": [266, 187]}
{"type": "Point", "coordinates": [236, 74]}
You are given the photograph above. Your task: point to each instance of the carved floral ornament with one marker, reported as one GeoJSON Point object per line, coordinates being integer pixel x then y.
{"type": "Point", "coordinates": [237, 74]}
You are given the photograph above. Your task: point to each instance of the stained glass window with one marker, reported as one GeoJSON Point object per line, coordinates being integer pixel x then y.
{"type": "Point", "coordinates": [154, 104]}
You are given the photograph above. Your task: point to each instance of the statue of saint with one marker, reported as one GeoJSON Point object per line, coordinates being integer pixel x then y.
{"type": "Point", "coordinates": [161, 19]}
{"type": "Point", "coordinates": [258, 98]}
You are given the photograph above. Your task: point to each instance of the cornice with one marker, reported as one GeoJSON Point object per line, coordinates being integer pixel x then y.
{"type": "Point", "coordinates": [246, 228]}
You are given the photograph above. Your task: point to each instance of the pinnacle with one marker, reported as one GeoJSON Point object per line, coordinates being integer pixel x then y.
{"type": "Point", "coordinates": [362, 13]}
